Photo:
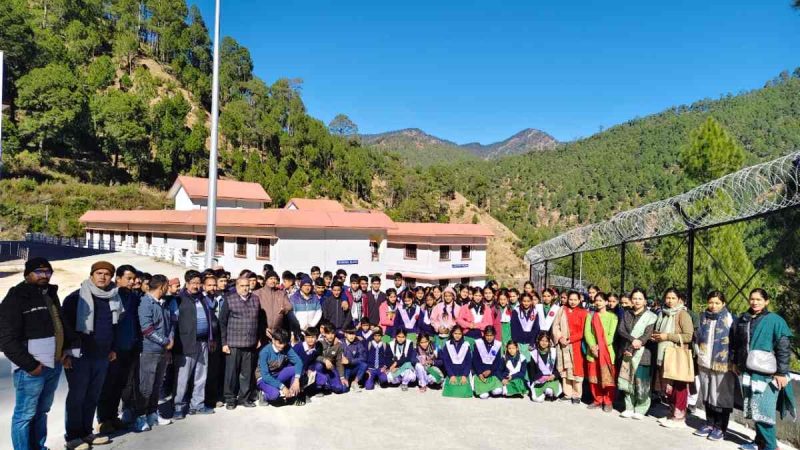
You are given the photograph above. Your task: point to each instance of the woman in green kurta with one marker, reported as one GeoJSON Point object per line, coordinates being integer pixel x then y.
{"type": "Point", "coordinates": [601, 325]}
{"type": "Point", "coordinates": [765, 375]}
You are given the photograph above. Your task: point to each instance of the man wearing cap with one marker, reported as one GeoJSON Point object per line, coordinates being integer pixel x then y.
{"type": "Point", "coordinates": [94, 309]}
{"type": "Point", "coordinates": [274, 303]}
{"type": "Point", "coordinates": [306, 307]}
{"type": "Point", "coordinates": [34, 338]}
{"type": "Point", "coordinates": [238, 320]}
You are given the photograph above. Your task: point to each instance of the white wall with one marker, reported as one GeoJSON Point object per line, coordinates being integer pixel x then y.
{"type": "Point", "coordinates": [184, 203]}
{"type": "Point", "coordinates": [427, 262]}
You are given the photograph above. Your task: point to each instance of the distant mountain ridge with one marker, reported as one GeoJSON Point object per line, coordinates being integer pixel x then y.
{"type": "Point", "coordinates": [413, 143]}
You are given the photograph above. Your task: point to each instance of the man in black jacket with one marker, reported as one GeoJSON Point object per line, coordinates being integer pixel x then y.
{"type": "Point", "coordinates": [36, 340]}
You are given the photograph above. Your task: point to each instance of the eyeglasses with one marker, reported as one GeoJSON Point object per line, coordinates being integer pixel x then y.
{"type": "Point", "coordinates": [43, 272]}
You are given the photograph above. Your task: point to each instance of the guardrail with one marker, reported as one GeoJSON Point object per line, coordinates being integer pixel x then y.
{"type": "Point", "coordinates": [13, 251]}
{"type": "Point", "coordinates": [174, 255]}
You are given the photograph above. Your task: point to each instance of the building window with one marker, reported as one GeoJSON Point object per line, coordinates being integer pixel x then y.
{"type": "Point", "coordinates": [148, 238]}
{"type": "Point", "coordinates": [444, 253]}
{"type": "Point", "coordinates": [466, 251]}
{"type": "Point", "coordinates": [241, 247]}
{"type": "Point", "coordinates": [123, 237]}
{"type": "Point", "coordinates": [219, 248]}
{"type": "Point", "coordinates": [164, 238]}
{"type": "Point", "coordinates": [411, 251]}
{"type": "Point", "coordinates": [465, 281]}
{"type": "Point", "coordinates": [263, 248]}
{"type": "Point", "coordinates": [136, 238]}
{"type": "Point", "coordinates": [374, 246]}
{"type": "Point", "coordinates": [444, 283]}
{"type": "Point", "coordinates": [200, 244]}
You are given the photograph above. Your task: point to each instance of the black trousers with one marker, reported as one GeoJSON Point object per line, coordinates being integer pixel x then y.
{"type": "Point", "coordinates": [239, 380]}
{"type": "Point", "coordinates": [215, 380]}
{"type": "Point", "coordinates": [718, 417]}
{"type": "Point", "coordinates": [121, 383]}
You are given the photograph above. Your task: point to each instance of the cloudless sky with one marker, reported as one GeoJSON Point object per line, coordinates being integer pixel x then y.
{"type": "Point", "coordinates": [483, 70]}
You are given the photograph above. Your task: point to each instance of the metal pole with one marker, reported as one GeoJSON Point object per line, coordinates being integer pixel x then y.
{"type": "Point", "coordinates": [690, 269]}
{"type": "Point", "coordinates": [546, 274]}
{"type": "Point", "coordinates": [211, 223]}
{"type": "Point", "coordinates": [622, 267]}
{"type": "Point", "coordinates": [572, 283]}
{"type": "Point", "coordinates": [1, 114]}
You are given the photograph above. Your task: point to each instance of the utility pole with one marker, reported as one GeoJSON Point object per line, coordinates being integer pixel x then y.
{"type": "Point", "coordinates": [1, 114]}
{"type": "Point", "coordinates": [211, 223]}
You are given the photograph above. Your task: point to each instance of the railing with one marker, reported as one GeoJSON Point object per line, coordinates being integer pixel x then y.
{"type": "Point", "coordinates": [13, 251]}
{"type": "Point", "coordinates": [174, 255]}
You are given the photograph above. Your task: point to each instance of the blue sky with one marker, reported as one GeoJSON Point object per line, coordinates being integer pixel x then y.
{"type": "Point", "coordinates": [483, 70]}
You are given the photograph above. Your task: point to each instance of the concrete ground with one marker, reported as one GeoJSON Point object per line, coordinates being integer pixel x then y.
{"type": "Point", "coordinates": [377, 419]}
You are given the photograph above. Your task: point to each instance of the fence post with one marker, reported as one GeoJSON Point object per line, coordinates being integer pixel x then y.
{"type": "Point", "coordinates": [572, 283]}
{"type": "Point", "coordinates": [623, 248]}
{"type": "Point", "coordinates": [690, 269]}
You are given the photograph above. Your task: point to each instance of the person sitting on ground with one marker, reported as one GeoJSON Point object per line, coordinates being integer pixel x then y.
{"type": "Point", "coordinates": [281, 370]}
{"type": "Point", "coordinates": [543, 373]}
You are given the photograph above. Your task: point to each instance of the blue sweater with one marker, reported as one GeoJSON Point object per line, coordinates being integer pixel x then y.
{"type": "Point", "coordinates": [127, 335]}
{"type": "Point", "coordinates": [156, 326]}
{"type": "Point", "coordinates": [355, 352]}
{"type": "Point", "coordinates": [307, 358]}
{"type": "Point", "coordinates": [271, 362]}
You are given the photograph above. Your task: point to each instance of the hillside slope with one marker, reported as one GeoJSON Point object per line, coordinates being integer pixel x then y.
{"type": "Point", "coordinates": [526, 141]}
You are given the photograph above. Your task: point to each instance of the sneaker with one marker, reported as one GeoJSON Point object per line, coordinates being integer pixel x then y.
{"type": "Point", "coordinates": [248, 404]}
{"type": "Point", "coordinates": [77, 444]}
{"type": "Point", "coordinates": [162, 420]}
{"type": "Point", "coordinates": [96, 439]}
{"type": "Point", "coordinates": [704, 431]}
{"type": "Point", "coordinates": [539, 399]}
{"type": "Point", "coordinates": [154, 420]}
{"type": "Point", "coordinates": [220, 404]}
{"type": "Point", "coordinates": [576, 401]}
{"type": "Point", "coordinates": [204, 411]}
{"type": "Point", "coordinates": [716, 435]}
{"type": "Point", "coordinates": [637, 416]}
{"type": "Point", "coordinates": [141, 424]}
{"type": "Point", "coordinates": [608, 408]}
{"type": "Point", "coordinates": [626, 414]}
{"type": "Point", "coordinates": [673, 424]}
{"type": "Point", "coordinates": [595, 406]}
{"type": "Point", "coordinates": [749, 446]}
{"type": "Point", "coordinates": [230, 406]}
{"type": "Point", "coordinates": [404, 387]}
{"type": "Point", "coordinates": [358, 388]}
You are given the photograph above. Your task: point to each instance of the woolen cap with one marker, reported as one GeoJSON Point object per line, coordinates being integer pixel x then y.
{"type": "Point", "coordinates": [271, 274]}
{"type": "Point", "coordinates": [306, 280]}
{"type": "Point", "coordinates": [36, 263]}
{"type": "Point", "coordinates": [102, 265]}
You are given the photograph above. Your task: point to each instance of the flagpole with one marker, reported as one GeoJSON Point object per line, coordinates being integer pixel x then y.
{"type": "Point", "coordinates": [211, 223]}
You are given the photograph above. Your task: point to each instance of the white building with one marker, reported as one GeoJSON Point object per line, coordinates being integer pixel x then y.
{"type": "Point", "coordinates": [305, 233]}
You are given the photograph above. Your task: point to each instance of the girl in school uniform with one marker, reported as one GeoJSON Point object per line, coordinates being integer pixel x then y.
{"type": "Point", "coordinates": [419, 295]}
{"type": "Point", "coordinates": [545, 379]}
{"type": "Point", "coordinates": [546, 310]}
{"type": "Point", "coordinates": [513, 297]}
{"type": "Point", "coordinates": [457, 359]}
{"type": "Point", "coordinates": [426, 367]}
{"type": "Point", "coordinates": [437, 292]}
{"type": "Point", "coordinates": [425, 320]}
{"type": "Point", "coordinates": [403, 358]}
{"type": "Point", "coordinates": [464, 295]}
{"type": "Point", "coordinates": [475, 317]}
{"type": "Point", "coordinates": [487, 365]}
{"type": "Point", "coordinates": [599, 331]}
{"type": "Point", "coordinates": [527, 288]}
{"type": "Point", "coordinates": [513, 373]}
{"type": "Point", "coordinates": [387, 312]}
{"type": "Point", "coordinates": [444, 317]}
{"type": "Point", "coordinates": [523, 325]}
{"type": "Point", "coordinates": [488, 295]}
{"type": "Point", "coordinates": [407, 316]}
{"type": "Point", "coordinates": [364, 332]}
{"type": "Point", "coordinates": [378, 361]}
{"type": "Point", "coordinates": [502, 317]}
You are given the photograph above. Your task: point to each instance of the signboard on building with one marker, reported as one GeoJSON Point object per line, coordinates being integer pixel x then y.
{"type": "Point", "coordinates": [459, 266]}
{"type": "Point", "coordinates": [346, 262]}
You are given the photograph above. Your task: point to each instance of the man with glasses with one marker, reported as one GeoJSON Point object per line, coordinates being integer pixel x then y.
{"type": "Point", "coordinates": [34, 337]}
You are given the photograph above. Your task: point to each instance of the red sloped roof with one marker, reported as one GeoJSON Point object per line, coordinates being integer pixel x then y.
{"type": "Point", "coordinates": [277, 218]}
{"type": "Point", "coordinates": [226, 189]}
{"type": "Point", "coordinates": [440, 229]}
{"type": "Point", "coordinates": [316, 204]}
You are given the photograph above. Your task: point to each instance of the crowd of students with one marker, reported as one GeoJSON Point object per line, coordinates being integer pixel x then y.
{"type": "Point", "coordinates": [141, 350]}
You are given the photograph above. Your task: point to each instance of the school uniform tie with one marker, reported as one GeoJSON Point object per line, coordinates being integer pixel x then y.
{"type": "Point", "coordinates": [377, 357]}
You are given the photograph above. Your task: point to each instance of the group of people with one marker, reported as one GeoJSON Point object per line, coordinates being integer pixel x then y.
{"type": "Point", "coordinates": [142, 350]}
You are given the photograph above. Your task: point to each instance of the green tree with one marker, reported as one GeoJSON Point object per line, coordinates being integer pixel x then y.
{"type": "Point", "coordinates": [711, 152]}
{"type": "Point", "coordinates": [100, 73]}
{"type": "Point", "coordinates": [170, 134]}
{"type": "Point", "coordinates": [19, 47]}
{"type": "Point", "coordinates": [52, 102]}
{"type": "Point", "coordinates": [235, 68]}
{"type": "Point", "coordinates": [120, 119]}
{"type": "Point", "coordinates": [341, 125]}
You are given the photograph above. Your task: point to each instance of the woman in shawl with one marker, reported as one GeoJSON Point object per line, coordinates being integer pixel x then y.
{"type": "Point", "coordinates": [475, 317]}
{"type": "Point", "coordinates": [568, 331]}
{"type": "Point", "coordinates": [761, 351]}
{"type": "Point", "coordinates": [513, 373]}
{"type": "Point", "coordinates": [457, 358]}
{"type": "Point", "coordinates": [673, 327]}
{"type": "Point", "coordinates": [426, 367]}
{"type": "Point", "coordinates": [502, 317]}
{"type": "Point", "coordinates": [717, 382]}
{"type": "Point", "coordinates": [444, 317]}
{"type": "Point", "coordinates": [599, 330]}
{"type": "Point", "coordinates": [543, 372]}
{"type": "Point", "coordinates": [634, 376]}
{"type": "Point", "coordinates": [487, 365]}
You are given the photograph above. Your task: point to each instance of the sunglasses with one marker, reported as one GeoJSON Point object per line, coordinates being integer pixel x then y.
{"type": "Point", "coordinates": [43, 272]}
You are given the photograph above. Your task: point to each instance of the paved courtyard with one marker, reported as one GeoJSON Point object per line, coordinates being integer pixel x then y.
{"type": "Point", "coordinates": [378, 419]}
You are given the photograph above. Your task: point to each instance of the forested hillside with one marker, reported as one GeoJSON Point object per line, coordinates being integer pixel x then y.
{"type": "Point", "coordinates": [115, 92]}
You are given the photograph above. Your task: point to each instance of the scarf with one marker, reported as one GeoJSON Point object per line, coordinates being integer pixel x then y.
{"type": "Point", "coordinates": [488, 354]}
{"type": "Point", "coordinates": [514, 365]}
{"type": "Point", "coordinates": [85, 315]}
{"type": "Point", "coordinates": [546, 319]}
{"type": "Point", "coordinates": [399, 350]}
{"type": "Point", "coordinates": [627, 371]}
{"type": "Point", "coordinates": [426, 314]}
{"type": "Point", "coordinates": [526, 319]}
{"type": "Point", "coordinates": [477, 310]}
{"type": "Point", "coordinates": [606, 369]}
{"type": "Point", "coordinates": [545, 361]}
{"type": "Point", "coordinates": [503, 313]}
{"type": "Point", "coordinates": [561, 329]}
{"type": "Point", "coordinates": [409, 321]}
{"type": "Point", "coordinates": [451, 313]}
{"type": "Point", "coordinates": [426, 357]}
{"type": "Point", "coordinates": [457, 356]}
{"type": "Point", "coordinates": [720, 325]}
{"type": "Point", "coordinates": [666, 324]}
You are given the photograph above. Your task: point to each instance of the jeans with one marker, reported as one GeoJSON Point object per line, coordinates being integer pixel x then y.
{"type": "Point", "coordinates": [151, 375]}
{"type": "Point", "coordinates": [372, 376]}
{"type": "Point", "coordinates": [285, 376]}
{"type": "Point", "coordinates": [191, 369]}
{"type": "Point", "coordinates": [328, 379]}
{"type": "Point", "coordinates": [240, 366]}
{"type": "Point", "coordinates": [85, 381]}
{"type": "Point", "coordinates": [359, 370]}
{"type": "Point", "coordinates": [34, 398]}
{"type": "Point", "coordinates": [120, 384]}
